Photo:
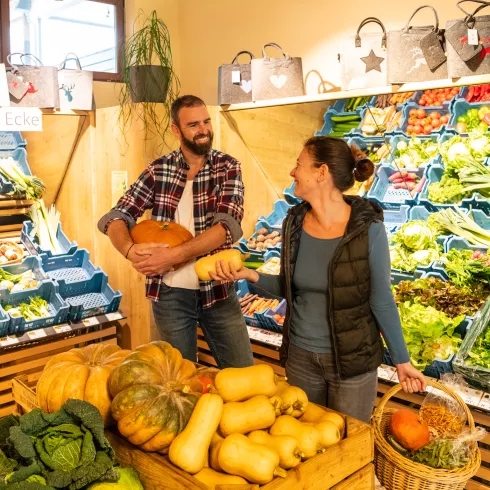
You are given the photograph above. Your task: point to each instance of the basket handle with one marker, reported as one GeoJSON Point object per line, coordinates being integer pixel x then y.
{"type": "Point", "coordinates": [435, 384]}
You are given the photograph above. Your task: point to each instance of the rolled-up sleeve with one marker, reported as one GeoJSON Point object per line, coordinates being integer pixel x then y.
{"type": "Point", "coordinates": [137, 199]}
{"type": "Point", "coordinates": [229, 212]}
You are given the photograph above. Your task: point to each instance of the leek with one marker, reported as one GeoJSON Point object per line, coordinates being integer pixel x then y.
{"type": "Point", "coordinates": [45, 227]}
{"type": "Point", "coordinates": [24, 185]}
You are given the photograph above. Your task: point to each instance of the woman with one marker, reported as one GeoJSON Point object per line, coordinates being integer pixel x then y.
{"type": "Point", "coordinates": [335, 276]}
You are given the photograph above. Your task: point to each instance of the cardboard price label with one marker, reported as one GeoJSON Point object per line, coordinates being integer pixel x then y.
{"type": "Point", "coordinates": [90, 322]}
{"type": "Point", "coordinates": [62, 328]}
{"type": "Point", "coordinates": [4, 341]}
{"type": "Point", "coordinates": [36, 334]}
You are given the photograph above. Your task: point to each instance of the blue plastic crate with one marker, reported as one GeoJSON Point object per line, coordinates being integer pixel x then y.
{"type": "Point", "coordinates": [275, 219]}
{"type": "Point", "coordinates": [438, 367]}
{"type": "Point", "coordinates": [328, 124]}
{"type": "Point", "coordinates": [397, 276]}
{"type": "Point", "coordinates": [463, 93]}
{"type": "Point", "coordinates": [70, 268]}
{"type": "Point", "coordinates": [19, 155]}
{"type": "Point", "coordinates": [271, 252]}
{"type": "Point", "coordinates": [289, 196]}
{"type": "Point", "coordinates": [47, 290]}
{"type": "Point", "coordinates": [91, 297]}
{"type": "Point", "coordinates": [394, 218]}
{"type": "Point", "coordinates": [10, 140]}
{"type": "Point", "coordinates": [4, 322]}
{"type": "Point", "coordinates": [69, 248]}
{"type": "Point", "coordinates": [243, 287]}
{"type": "Point", "coordinates": [370, 138]}
{"type": "Point", "coordinates": [257, 255]}
{"type": "Point", "coordinates": [481, 219]}
{"type": "Point", "coordinates": [397, 137]}
{"type": "Point", "coordinates": [408, 107]}
{"type": "Point", "coordinates": [386, 195]}
{"type": "Point", "coordinates": [460, 108]}
{"type": "Point", "coordinates": [434, 175]}
{"type": "Point", "coordinates": [33, 263]}
{"type": "Point", "coordinates": [269, 316]}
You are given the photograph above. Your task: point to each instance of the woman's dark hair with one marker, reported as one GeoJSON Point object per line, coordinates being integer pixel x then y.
{"type": "Point", "coordinates": [345, 163]}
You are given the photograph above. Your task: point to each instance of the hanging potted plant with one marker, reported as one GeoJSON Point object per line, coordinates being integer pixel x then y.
{"type": "Point", "coordinates": [148, 76]}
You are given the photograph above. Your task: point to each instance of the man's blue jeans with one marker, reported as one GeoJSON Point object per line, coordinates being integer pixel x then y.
{"type": "Point", "coordinates": [178, 313]}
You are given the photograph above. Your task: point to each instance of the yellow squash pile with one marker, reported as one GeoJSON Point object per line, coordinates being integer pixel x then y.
{"type": "Point", "coordinates": [252, 417]}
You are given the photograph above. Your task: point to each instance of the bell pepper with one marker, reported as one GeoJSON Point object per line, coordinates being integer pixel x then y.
{"type": "Point", "coordinates": [476, 93]}
{"type": "Point", "coordinates": [470, 94]}
{"type": "Point", "coordinates": [472, 114]}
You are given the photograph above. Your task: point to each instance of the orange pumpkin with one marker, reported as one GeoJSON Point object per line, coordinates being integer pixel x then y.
{"type": "Point", "coordinates": [408, 431]}
{"type": "Point", "coordinates": [151, 231]}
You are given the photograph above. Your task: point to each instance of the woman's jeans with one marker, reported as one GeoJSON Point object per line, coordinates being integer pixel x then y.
{"type": "Point", "coordinates": [317, 375]}
{"type": "Point", "coordinates": [178, 313]}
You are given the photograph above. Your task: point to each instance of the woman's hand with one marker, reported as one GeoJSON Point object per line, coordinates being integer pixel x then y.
{"type": "Point", "coordinates": [228, 273]}
{"type": "Point", "coordinates": [411, 379]}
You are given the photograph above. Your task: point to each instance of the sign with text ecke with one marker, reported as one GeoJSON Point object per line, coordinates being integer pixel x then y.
{"type": "Point", "coordinates": [21, 119]}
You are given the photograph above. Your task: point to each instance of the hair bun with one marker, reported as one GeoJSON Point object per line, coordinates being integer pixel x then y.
{"type": "Point", "coordinates": [363, 169]}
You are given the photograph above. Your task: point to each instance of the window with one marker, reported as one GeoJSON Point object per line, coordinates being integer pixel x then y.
{"type": "Point", "coordinates": [50, 29]}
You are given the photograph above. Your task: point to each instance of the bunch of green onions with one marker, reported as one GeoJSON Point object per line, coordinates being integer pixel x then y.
{"type": "Point", "coordinates": [24, 185]}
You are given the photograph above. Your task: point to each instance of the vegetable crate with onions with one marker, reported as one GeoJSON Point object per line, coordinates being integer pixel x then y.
{"type": "Point", "coordinates": [35, 308]}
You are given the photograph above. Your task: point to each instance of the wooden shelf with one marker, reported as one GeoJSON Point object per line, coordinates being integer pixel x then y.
{"type": "Point", "coordinates": [339, 94]}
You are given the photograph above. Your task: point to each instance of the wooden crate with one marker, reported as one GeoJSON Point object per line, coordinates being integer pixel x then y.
{"type": "Point", "coordinates": [270, 355]}
{"type": "Point", "coordinates": [345, 466]}
{"type": "Point", "coordinates": [29, 358]}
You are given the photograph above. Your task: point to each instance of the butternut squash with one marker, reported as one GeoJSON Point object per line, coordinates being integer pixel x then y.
{"type": "Point", "coordinates": [240, 384]}
{"type": "Point", "coordinates": [286, 446]}
{"type": "Point", "coordinates": [205, 265]}
{"type": "Point", "coordinates": [276, 402]}
{"type": "Point", "coordinates": [330, 433]}
{"type": "Point", "coordinates": [244, 417]}
{"type": "Point", "coordinates": [336, 419]}
{"type": "Point", "coordinates": [254, 462]}
{"type": "Point", "coordinates": [188, 450]}
{"type": "Point", "coordinates": [313, 413]}
{"type": "Point", "coordinates": [294, 401]}
{"type": "Point", "coordinates": [214, 451]}
{"type": "Point", "coordinates": [308, 437]}
{"type": "Point", "coordinates": [212, 478]}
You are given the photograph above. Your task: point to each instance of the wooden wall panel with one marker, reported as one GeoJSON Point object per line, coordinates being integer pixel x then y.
{"type": "Point", "coordinates": [274, 136]}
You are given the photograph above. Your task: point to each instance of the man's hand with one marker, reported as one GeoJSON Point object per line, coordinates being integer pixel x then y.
{"type": "Point", "coordinates": [136, 255]}
{"type": "Point", "coordinates": [157, 259]}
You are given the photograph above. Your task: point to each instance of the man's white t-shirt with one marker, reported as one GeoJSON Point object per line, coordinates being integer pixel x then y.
{"type": "Point", "coordinates": [186, 276]}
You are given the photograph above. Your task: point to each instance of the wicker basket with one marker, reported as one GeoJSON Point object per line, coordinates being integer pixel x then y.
{"type": "Point", "coordinates": [18, 249]}
{"type": "Point", "coordinates": [396, 472]}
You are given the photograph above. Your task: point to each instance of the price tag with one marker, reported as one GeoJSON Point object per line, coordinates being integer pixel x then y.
{"type": "Point", "coordinates": [473, 37]}
{"type": "Point", "coordinates": [36, 334]}
{"type": "Point", "coordinates": [386, 372]}
{"type": "Point", "coordinates": [90, 322]}
{"type": "Point", "coordinates": [236, 77]}
{"type": "Point", "coordinates": [62, 328]}
{"type": "Point", "coordinates": [4, 341]}
{"type": "Point", "coordinates": [485, 402]}
{"type": "Point", "coordinates": [470, 396]}
{"type": "Point", "coordinates": [113, 316]}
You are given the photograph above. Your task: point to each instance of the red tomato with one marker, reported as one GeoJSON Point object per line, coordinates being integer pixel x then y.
{"type": "Point", "coordinates": [434, 115]}
{"type": "Point", "coordinates": [417, 129]}
{"type": "Point", "coordinates": [428, 129]}
{"type": "Point", "coordinates": [420, 113]}
{"type": "Point", "coordinates": [413, 113]}
{"type": "Point", "coordinates": [455, 91]}
{"type": "Point", "coordinates": [412, 120]}
{"type": "Point", "coordinates": [449, 97]}
{"type": "Point", "coordinates": [410, 128]}
{"type": "Point", "coordinates": [436, 123]}
{"type": "Point", "coordinates": [444, 119]}
{"type": "Point", "coordinates": [422, 102]}
{"type": "Point", "coordinates": [430, 101]}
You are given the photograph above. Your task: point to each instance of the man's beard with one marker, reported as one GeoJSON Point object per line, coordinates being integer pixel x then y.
{"type": "Point", "coordinates": [198, 148]}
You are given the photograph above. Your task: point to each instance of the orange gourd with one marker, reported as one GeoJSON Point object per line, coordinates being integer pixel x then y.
{"type": "Point", "coordinates": [408, 431]}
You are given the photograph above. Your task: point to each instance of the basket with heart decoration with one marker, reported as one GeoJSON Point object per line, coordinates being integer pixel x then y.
{"type": "Point", "coordinates": [275, 78]}
{"type": "Point", "coordinates": [234, 81]}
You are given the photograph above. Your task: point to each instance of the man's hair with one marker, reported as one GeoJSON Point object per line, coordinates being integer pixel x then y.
{"type": "Point", "coordinates": [181, 102]}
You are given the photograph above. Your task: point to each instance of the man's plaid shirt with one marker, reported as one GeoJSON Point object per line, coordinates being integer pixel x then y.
{"type": "Point", "coordinates": [218, 198]}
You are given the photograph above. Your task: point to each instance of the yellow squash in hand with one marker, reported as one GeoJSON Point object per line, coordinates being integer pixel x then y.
{"type": "Point", "coordinates": [205, 265]}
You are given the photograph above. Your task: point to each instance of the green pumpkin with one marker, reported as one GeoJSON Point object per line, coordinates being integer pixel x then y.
{"type": "Point", "coordinates": [151, 404]}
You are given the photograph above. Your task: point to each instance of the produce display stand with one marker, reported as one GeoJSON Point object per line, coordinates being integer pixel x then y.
{"type": "Point", "coordinates": [26, 354]}
{"type": "Point", "coordinates": [479, 402]}
{"type": "Point", "coordinates": [345, 466]}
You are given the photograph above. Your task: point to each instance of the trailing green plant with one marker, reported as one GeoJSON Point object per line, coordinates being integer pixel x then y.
{"type": "Point", "coordinates": [149, 45]}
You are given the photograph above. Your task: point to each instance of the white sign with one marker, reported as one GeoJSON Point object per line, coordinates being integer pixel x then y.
{"type": "Point", "coordinates": [36, 334]}
{"type": "Point", "coordinates": [119, 185]}
{"type": "Point", "coordinates": [89, 322]}
{"type": "Point", "coordinates": [4, 341]}
{"type": "Point", "coordinates": [62, 328]}
{"type": "Point", "coordinates": [21, 119]}
{"type": "Point", "coordinates": [113, 316]}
